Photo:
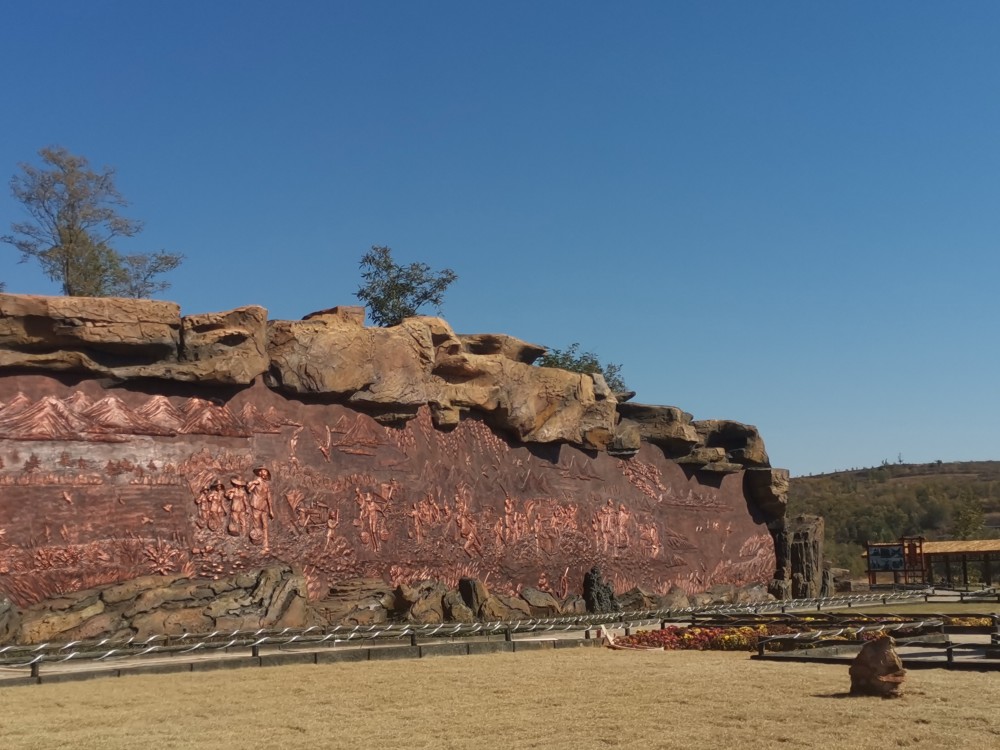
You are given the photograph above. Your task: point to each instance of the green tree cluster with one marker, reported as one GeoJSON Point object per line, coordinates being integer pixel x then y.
{"type": "Point", "coordinates": [937, 501]}
{"type": "Point", "coordinates": [572, 359]}
{"type": "Point", "coordinates": [73, 219]}
{"type": "Point", "coordinates": [392, 292]}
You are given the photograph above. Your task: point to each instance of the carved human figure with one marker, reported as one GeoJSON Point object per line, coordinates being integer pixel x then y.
{"type": "Point", "coordinates": [239, 507]}
{"type": "Point", "coordinates": [261, 510]}
{"type": "Point", "coordinates": [371, 518]}
{"type": "Point", "coordinates": [467, 530]}
{"type": "Point", "coordinates": [332, 522]}
{"type": "Point", "coordinates": [622, 537]}
{"type": "Point", "coordinates": [216, 510]}
{"type": "Point", "coordinates": [202, 502]}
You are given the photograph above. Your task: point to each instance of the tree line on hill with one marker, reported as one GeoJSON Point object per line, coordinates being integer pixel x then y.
{"type": "Point", "coordinates": [939, 501]}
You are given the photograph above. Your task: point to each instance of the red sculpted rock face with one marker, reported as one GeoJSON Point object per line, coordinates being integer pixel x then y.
{"type": "Point", "coordinates": [99, 486]}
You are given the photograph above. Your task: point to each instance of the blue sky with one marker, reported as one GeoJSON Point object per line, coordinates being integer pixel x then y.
{"type": "Point", "coordinates": [782, 213]}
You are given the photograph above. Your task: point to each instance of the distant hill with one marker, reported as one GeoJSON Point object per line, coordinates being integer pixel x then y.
{"type": "Point", "coordinates": [938, 501]}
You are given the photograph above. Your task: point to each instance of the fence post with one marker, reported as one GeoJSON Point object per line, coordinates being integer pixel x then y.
{"type": "Point", "coordinates": [413, 638]}
{"type": "Point", "coordinates": [34, 669]}
{"type": "Point", "coordinates": [507, 634]}
{"type": "Point", "coordinates": [951, 654]}
{"type": "Point", "coordinates": [255, 650]}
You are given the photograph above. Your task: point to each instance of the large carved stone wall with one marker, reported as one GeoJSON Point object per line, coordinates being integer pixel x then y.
{"type": "Point", "coordinates": [218, 444]}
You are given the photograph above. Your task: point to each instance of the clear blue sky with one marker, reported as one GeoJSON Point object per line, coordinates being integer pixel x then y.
{"type": "Point", "coordinates": [782, 213]}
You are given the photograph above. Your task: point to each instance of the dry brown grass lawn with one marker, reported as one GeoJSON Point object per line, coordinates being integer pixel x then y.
{"type": "Point", "coordinates": [572, 698]}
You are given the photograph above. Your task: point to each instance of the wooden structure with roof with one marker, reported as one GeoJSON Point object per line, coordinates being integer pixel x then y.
{"type": "Point", "coordinates": [951, 561]}
{"type": "Point", "coordinates": [915, 560]}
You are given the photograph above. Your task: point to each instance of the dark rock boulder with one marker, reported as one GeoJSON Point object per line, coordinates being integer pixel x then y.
{"type": "Point", "coordinates": [742, 442]}
{"type": "Point", "coordinates": [357, 601]}
{"type": "Point", "coordinates": [638, 600]}
{"type": "Point", "coordinates": [665, 426]}
{"type": "Point", "coordinates": [455, 609]}
{"type": "Point", "coordinates": [573, 605]}
{"type": "Point", "coordinates": [598, 595]}
{"type": "Point", "coordinates": [767, 490]}
{"type": "Point", "coordinates": [10, 620]}
{"type": "Point", "coordinates": [541, 603]}
{"type": "Point", "coordinates": [676, 598]}
{"type": "Point", "coordinates": [499, 607]}
{"type": "Point", "coordinates": [156, 605]}
{"type": "Point", "coordinates": [806, 548]}
{"type": "Point", "coordinates": [422, 602]}
{"type": "Point", "coordinates": [474, 593]}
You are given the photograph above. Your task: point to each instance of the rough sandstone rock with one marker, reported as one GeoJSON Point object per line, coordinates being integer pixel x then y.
{"type": "Point", "coordinates": [358, 601]}
{"type": "Point", "coordinates": [40, 626]}
{"type": "Point", "coordinates": [638, 600]}
{"type": "Point", "coordinates": [225, 347]}
{"type": "Point", "coordinates": [742, 442]}
{"type": "Point", "coordinates": [627, 439]}
{"type": "Point", "coordinates": [573, 605]}
{"type": "Point", "coordinates": [676, 598]}
{"type": "Point", "coordinates": [428, 605]}
{"type": "Point", "coordinates": [10, 620]}
{"type": "Point", "coordinates": [128, 338]}
{"type": "Point", "coordinates": [331, 355]}
{"type": "Point", "coordinates": [152, 605]}
{"type": "Point", "coordinates": [541, 603]}
{"type": "Point", "coordinates": [805, 535]}
{"type": "Point", "coordinates": [502, 345]}
{"type": "Point", "coordinates": [666, 426]}
{"type": "Point", "coordinates": [535, 404]}
{"type": "Point", "coordinates": [455, 609]}
{"type": "Point", "coordinates": [474, 593]}
{"type": "Point", "coordinates": [768, 490]}
{"type": "Point", "coordinates": [499, 607]}
{"type": "Point", "coordinates": [387, 372]}
{"type": "Point", "coordinates": [81, 333]}
{"type": "Point", "coordinates": [877, 669]}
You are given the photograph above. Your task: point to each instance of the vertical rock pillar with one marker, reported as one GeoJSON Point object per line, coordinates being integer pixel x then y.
{"type": "Point", "coordinates": [806, 547]}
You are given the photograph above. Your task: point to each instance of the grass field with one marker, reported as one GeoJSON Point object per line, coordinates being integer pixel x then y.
{"type": "Point", "coordinates": [566, 698]}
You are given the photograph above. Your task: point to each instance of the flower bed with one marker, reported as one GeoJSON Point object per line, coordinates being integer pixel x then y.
{"type": "Point", "coordinates": [745, 638]}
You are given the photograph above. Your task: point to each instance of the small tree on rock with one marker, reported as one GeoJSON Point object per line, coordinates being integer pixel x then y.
{"type": "Point", "coordinates": [74, 217]}
{"type": "Point", "coordinates": [572, 359]}
{"type": "Point", "coordinates": [393, 292]}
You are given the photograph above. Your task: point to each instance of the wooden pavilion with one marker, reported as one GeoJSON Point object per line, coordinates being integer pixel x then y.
{"type": "Point", "coordinates": [913, 560]}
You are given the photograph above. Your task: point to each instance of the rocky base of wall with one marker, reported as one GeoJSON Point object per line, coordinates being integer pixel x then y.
{"type": "Point", "coordinates": [163, 605]}
{"type": "Point", "coordinates": [275, 597]}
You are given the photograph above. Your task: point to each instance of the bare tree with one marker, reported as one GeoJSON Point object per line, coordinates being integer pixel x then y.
{"type": "Point", "coordinates": [74, 217]}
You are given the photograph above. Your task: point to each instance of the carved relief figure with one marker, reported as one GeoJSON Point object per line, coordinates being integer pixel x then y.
{"type": "Point", "coordinates": [261, 510]}
{"type": "Point", "coordinates": [467, 530]}
{"type": "Point", "coordinates": [239, 507]}
{"type": "Point", "coordinates": [216, 511]}
{"type": "Point", "coordinates": [371, 519]}
{"type": "Point", "coordinates": [202, 502]}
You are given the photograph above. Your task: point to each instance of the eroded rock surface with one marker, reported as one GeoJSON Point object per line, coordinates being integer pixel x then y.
{"type": "Point", "coordinates": [171, 605]}
{"type": "Point", "coordinates": [877, 669]}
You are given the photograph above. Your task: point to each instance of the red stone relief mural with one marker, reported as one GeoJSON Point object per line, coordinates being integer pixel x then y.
{"type": "Point", "coordinates": [105, 484]}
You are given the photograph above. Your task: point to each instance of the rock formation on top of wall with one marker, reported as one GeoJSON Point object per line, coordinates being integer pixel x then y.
{"type": "Point", "coordinates": [135, 440]}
